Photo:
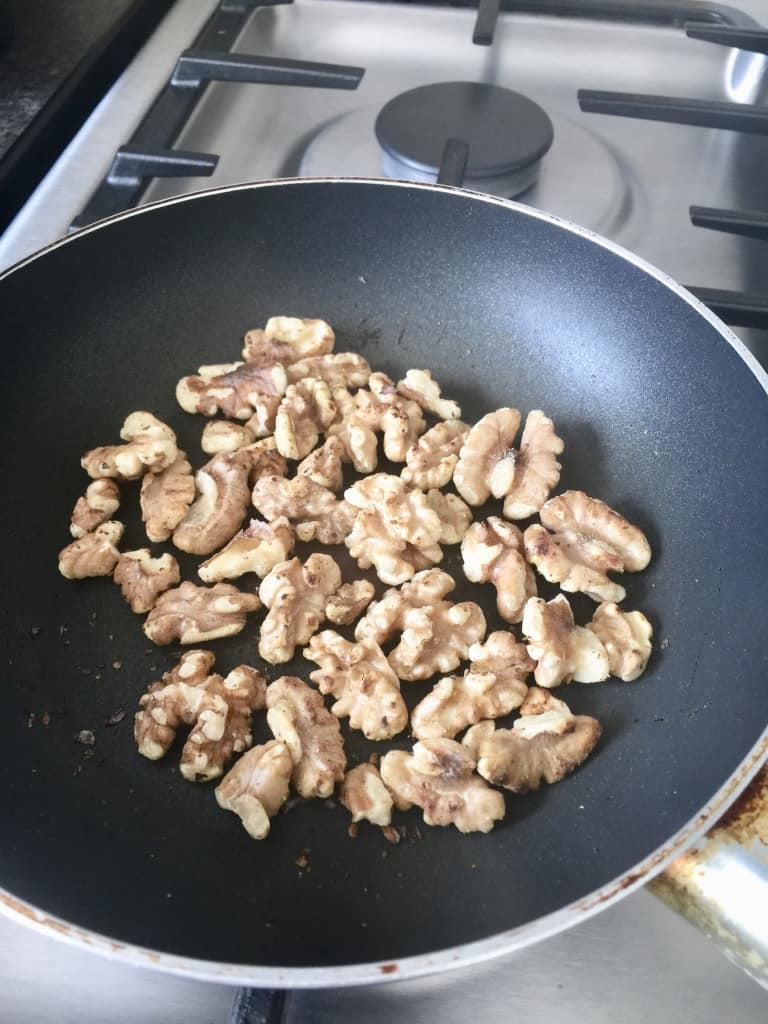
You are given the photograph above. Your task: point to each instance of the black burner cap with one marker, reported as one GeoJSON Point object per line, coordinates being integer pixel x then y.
{"type": "Point", "coordinates": [504, 131]}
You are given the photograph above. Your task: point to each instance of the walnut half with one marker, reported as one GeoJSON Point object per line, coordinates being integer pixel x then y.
{"type": "Point", "coordinates": [562, 650]}
{"type": "Point", "coordinates": [492, 552]}
{"type": "Point", "coordinates": [295, 595]}
{"type": "Point", "coordinates": [257, 786]}
{"type": "Point", "coordinates": [366, 797]}
{"type": "Point", "coordinates": [93, 554]}
{"type": "Point", "coordinates": [194, 615]}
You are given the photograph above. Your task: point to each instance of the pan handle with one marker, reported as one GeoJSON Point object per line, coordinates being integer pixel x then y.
{"type": "Point", "coordinates": [258, 1006]}
{"type": "Point", "coordinates": [721, 883]}
{"type": "Point", "coordinates": [453, 163]}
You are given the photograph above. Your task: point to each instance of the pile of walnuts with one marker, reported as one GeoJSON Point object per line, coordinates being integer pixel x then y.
{"type": "Point", "coordinates": [283, 424]}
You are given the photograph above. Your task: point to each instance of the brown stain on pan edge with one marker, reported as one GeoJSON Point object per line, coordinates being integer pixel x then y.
{"type": "Point", "coordinates": [388, 968]}
{"type": "Point", "coordinates": [747, 817]}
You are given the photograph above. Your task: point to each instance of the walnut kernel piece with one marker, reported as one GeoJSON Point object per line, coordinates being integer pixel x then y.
{"type": "Point", "coordinates": [298, 718]}
{"type": "Point", "coordinates": [315, 512]}
{"type": "Point", "coordinates": [355, 430]}
{"type": "Point", "coordinates": [439, 777]}
{"type": "Point", "coordinates": [486, 463]}
{"type": "Point", "coordinates": [143, 578]}
{"type": "Point", "coordinates": [349, 601]}
{"type": "Point", "coordinates": [455, 516]}
{"type": "Point", "coordinates": [99, 503]}
{"type": "Point", "coordinates": [430, 462]}
{"type": "Point", "coordinates": [325, 464]}
{"type": "Point", "coordinates": [492, 552]}
{"type": "Point", "coordinates": [223, 496]}
{"type": "Point", "coordinates": [626, 637]}
{"type": "Point", "coordinates": [493, 686]}
{"type": "Point", "coordinates": [150, 447]}
{"type": "Point", "coordinates": [306, 410]}
{"type": "Point", "coordinates": [93, 554]}
{"type": "Point", "coordinates": [295, 595]}
{"type": "Point", "coordinates": [219, 708]}
{"type": "Point", "coordinates": [235, 390]}
{"type": "Point", "coordinates": [574, 512]}
{"type": "Point", "coordinates": [562, 650]}
{"type": "Point", "coordinates": [257, 786]}
{"type": "Point", "coordinates": [258, 548]}
{"type": "Point", "coordinates": [224, 436]}
{"type": "Point", "coordinates": [193, 615]}
{"type": "Point", "coordinates": [341, 369]}
{"type": "Point", "coordinates": [366, 797]}
{"type": "Point", "coordinates": [420, 387]}
{"type": "Point", "coordinates": [165, 498]}
{"type": "Point", "coordinates": [358, 675]}
{"type": "Point", "coordinates": [544, 745]}
{"type": "Point", "coordinates": [537, 470]}
{"type": "Point", "coordinates": [287, 339]}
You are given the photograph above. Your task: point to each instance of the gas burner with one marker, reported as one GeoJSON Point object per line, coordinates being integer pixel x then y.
{"type": "Point", "coordinates": [507, 134]}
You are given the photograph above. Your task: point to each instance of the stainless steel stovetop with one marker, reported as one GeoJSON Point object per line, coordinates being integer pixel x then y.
{"type": "Point", "coordinates": [630, 180]}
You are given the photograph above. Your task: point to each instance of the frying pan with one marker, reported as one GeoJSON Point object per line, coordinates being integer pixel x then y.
{"type": "Point", "coordinates": [665, 417]}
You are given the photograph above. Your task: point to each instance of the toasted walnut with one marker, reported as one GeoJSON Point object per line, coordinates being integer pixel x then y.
{"type": "Point", "coordinates": [486, 463]}
{"type": "Point", "coordinates": [233, 389]}
{"type": "Point", "coordinates": [100, 501]}
{"type": "Point", "coordinates": [349, 601]}
{"type": "Point", "coordinates": [225, 436]}
{"type": "Point", "coordinates": [435, 634]}
{"type": "Point", "coordinates": [563, 651]}
{"type": "Point", "coordinates": [626, 637]}
{"type": "Point", "coordinates": [286, 339]}
{"type": "Point", "coordinates": [355, 429]}
{"type": "Point", "coordinates": [366, 797]}
{"type": "Point", "coordinates": [223, 495]}
{"type": "Point", "coordinates": [537, 470]}
{"type": "Point", "coordinates": [258, 548]}
{"type": "Point", "coordinates": [419, 386]}
{"type": "Point", "coordinates": [439, 777]}
{"type": "Point", "coordinates": [315, 512]}
{"type": "Point", "coordinates": [257, 786]}
{"type": "Point", "coordinates": [358, 675]}
{"type": "Point", "coordinates": [544, 745]}
{"type": "Point", "coordinates": [493, 686]}
{"type": "Point", "coordinates": [306, 410]}
{"type": "Point", "coordinates": [193, 614]}
{"type": "Point", "coordinates": [342, 369]}
{"type": "Point", "coordinates": [389, 518]}
{"type": "Point", "coordinates": [93, 554]}
{"type": "Point", "coordinates": [165, 498]}
{"type": "Point", "coordinates": [492, 553]}
{"type": "Point", "coordinates": [298, 718]}
{"type": "Point", "coordinates": [455, 516]}
{"type": "Point", "coordinates": [590, 540]}
{"type": "Point", "coordinates": [262, 422]}
{"type": "Point", "coordinates": [150, 448]}
{"type": "Point", "coordinates": [324, 464]}
{"type": "Point", "coordinates": [295, 595]}
{"type": "Point", "coordinates": [430, 462]}
{"type": "Point", "coordinates": [143, 578]}
{"type": "Point", "coordinates": [219, 708]}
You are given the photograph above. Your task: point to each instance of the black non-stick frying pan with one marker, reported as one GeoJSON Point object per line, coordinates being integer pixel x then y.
{"type": "Point", "coordinates": [665, 417]}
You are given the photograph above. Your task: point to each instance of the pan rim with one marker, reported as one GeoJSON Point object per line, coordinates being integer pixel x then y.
{"type": "Point", "coordinates": [480, 950]}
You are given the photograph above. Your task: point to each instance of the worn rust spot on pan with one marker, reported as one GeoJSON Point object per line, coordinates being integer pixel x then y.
{"type": "Point", "coordinates": [388, 968]}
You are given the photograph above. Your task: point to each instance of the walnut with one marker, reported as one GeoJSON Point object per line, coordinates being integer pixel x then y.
{"type": "Point", "coordinates": [150, 448]}
{"type": "Point", "coordinates": [257, 786]}
{"type": "Point", "coordinates": [287, 339]}
{"type": "Point", "coordinates": [455, 516]}
{"type": "Point", "coordinates": [486, 463]}
{"type": "Point", "coordinates": [100, 501]}
{"type": "Point", "coordinates": [355, 429]}
{"type": "Point", "coordinates": [537, 470]}
{"type": "Point", "coordinates": [298, 718]}
{"type": "Point", "coordinates": [358, 675]}
{"type": "Point", "coordinates": [93, 554]}
{"type": "Point", "coordinates": [546, 744]}
{"type": "Point", "coordinates": [306, 410]}
{"type": "Point", "coordinates": [262, 422]}
{"type": "Point", "coordinates": [143, 578]}
{"type": "Point", "coordinates": [439, 777]}
{"type": "Point", "coordinates": [343, 369]}
{"type": "Point", "coordinates": [315, 512]}
{"type": "Point", "coordinates": [389, 518]}
{"type": "Point", "coordinates": [435, 635]}
{"type": "Point", "coordinates": [194, 615]}
{"type": "Point", "coordinates": [419, 386]}
{"type": "Point", "coordinates": [401, 425]}
{"type": "Point", "coordinates": [349, 601]}
{"type": "Point", "coordinates": [225, 436]}
{"type": "Point", "coordinates": [590, 540]}
{"type": "Point", "coordinates": [366, 797]}
{"type": "Point", "coordinates": [563, 651]}
{"type": "Point", "coordinates": [379, 408]}
{"type": "Point", "coordinates": [492, 553]}
{"type": "Point", "coordinates": [219, 709]}
{"type": "Point", "coordinates": [264, 460]}
{"type": "Point", "coordinates": [626, 637]}
{"type": "Point", "coordinates": [324, 464]}
{"type": "Point", "coordinates": [223, 495]}
{"type": "Point", "coordinates": [236, 390]}
{"type": "Point", "coordinates": [166, 497]}
{"type": "Point", "coordinates": [493, 686]}
{"type": "Point", "coordinates": [258, 548]}
{"type": "Point", "coordinates": [295, 595]}
{"type": "Point", "coordinates": [430, 462]}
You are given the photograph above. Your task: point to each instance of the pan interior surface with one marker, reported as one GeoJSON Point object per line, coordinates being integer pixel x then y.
{"type": "Point", "coordinates": [660, 416]}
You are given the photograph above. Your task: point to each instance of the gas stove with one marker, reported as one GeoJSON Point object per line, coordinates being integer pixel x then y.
{"type": "Point", "coordinates": [615, 117]}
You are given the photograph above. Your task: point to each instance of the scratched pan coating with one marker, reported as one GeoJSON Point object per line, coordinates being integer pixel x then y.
{"type": "Point", "coordinates": [661, 416]}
